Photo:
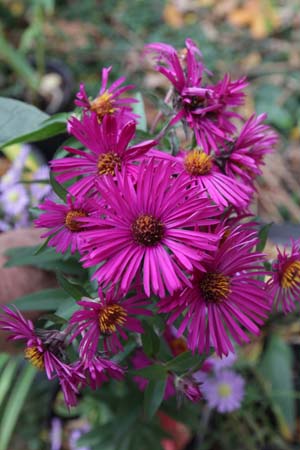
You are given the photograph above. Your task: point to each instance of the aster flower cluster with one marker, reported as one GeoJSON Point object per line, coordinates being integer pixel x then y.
{"type": "Point", "coordinates": [15, 196]}
{"type": "Point", "coordinates": [166, 237]}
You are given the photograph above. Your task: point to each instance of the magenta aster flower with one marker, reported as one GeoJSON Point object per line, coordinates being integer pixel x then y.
{"type": "Point", "coordinates": [224, 300]}
{"type": "Point", "coordinates": [202, 170]}
{"type": "Point", "coordinates": [224, 392]}
{"type": "Point", "coordinates": [62, 220]}
{"type": "Point", "coordinates": [206, 109]}
{"type": "Point", "coordinates": [284, 285]}
{"type": "Point", "coordinates": [108, 152]}
{"type": "Point", "coordinates": [243, 157]}
{"type": "Point", "coordinates": [43, 350]}
{"type": "Point", "coordinates": [148, 226]}
{"type": "Point", "coordinates": [110, 317]}
{"type": "Point", "coordinates": [108, 100]}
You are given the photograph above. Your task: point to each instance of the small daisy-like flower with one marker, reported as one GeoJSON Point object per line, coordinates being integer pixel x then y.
{"type": "Point", "coordinates": [108, 100]}
{"type": "Point", "coordinates": [206, 109]}
{"type": "Point", "coordinates": [202, 170]}
{"type": "Point", "coordinates": [62, 220]}
{"type": "Point", "coordinates": [243, 157]}
{"type": "Point", "coordinates": [225, 299]}
{"type": "Point", "coordinates": [284, 285]}
{"type": "Point", "coordinates": [14, 200]}
{"type": "Point", "coordinates": [44, 350]}
{"type": "Point", "coordinates": [109, 317]}
{"type": "Point", "coordinates": [148, 225]}
{"type": "Point", "coordinates": [217, 363]}
{"type": "Point", "coordinates": [224, 392]}
{"type": "Point", "coordinates": [108, 152]}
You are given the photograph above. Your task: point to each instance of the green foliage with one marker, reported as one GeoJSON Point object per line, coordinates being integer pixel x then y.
{"type": "Point", "coordinates": [276, 366]}
{"type": "Point", "coordinates": [15, 390]}
{"type": "Point", "coordinates": [17, 119]}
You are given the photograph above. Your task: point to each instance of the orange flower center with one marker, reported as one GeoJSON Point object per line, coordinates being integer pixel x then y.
{"type": "Point", "coordinates": [108, 162]}
{"type": "Point", "coordinates": [197, 162]}
{"type": "Point", "coordinates": [71, 222]}
{"type": "Point", "coordinates": [35, 357]}
{"type": "Point", "coordinates": [215, 287]}
{"type": "Point", "coordinates": [110, 316]}
{"type": "Point", "coordinates": [147, 230]}
{"type": "Point", "coordinates": [291, 275]}
{"type": "Point", "coordinates": [103, 105]}
{"type": "Point", "coordinates": [178, 346]}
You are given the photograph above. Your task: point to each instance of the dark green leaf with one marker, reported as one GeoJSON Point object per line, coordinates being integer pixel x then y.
{"type": "Point", "coordinates": [45, 300]}
{"type": "Point", "coordinates": [153, 372]}
{"type": "Point", "coordinates": [150, 340]}
{"type": "Point", "coordinates": [263, 236]}
{"type": "Point", "coordinates": [71, 287]}
{"type": "Point", "coordinates": [276, 366]}
{"type": "Point", "coordinates": [184, 362]}
{"type": "Point", "coordinates": [153, 396]}
{"type": "Point", "coordinates": [47, 129]}
{"type": "Point", "coordinates": [59, 190]}
{"type": "Point", "coordinates": [6, 377]}
{"type": "Point", "coordinates": [14, 404]}
{"type": "Point", "coordinates": [139, 108]}
{"type": "Point", "coordinates": [18, 118]}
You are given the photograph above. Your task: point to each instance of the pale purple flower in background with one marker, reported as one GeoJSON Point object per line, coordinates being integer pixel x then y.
{"type": "Point", "coordinates": [76, 434]}
{"type": "Point", "coordinates": [56, 434]}
{"type": "Point", "coordinates": [13, 175]}
{"type": "Point", "coordinates": [225, 362]}
{"type": "Point", "coordinates": [224, 391]}
{"type": "Point", "coordinates": [4, 226]}
{"type": "Point", "coordinates": [14, 200]}
{"type": "Point", "coordinates": [39, 191]}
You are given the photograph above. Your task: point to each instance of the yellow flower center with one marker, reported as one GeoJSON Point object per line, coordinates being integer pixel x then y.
{"type": "Point", "coordinates": [108, 162]}
{"type": "Point", "coordinates": [224, 390]}
{"type": "Point", "coordinates": [197, 162]}
{"type": "Point", "coordinates": [35, 357]}
{"type": "Point", "coordinates": [110, 316]}
{"type": "Point", "coordinates": [103, 105]}
{"type": "Point", "coordinates": [147, 230]}
{"type": "Point", "coordinates": [291, 275]}
{"type": "Point", "coordinates": [71, 222]}
{"type": "Point", "coordinates": [215, 287]}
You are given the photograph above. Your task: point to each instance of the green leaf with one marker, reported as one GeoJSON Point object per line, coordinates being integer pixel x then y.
{"type": "Point", "coordinates": [27, 256]}
{"type": "Point", "coordinates": [58, 188]}
{"type": "Point", "coordinates": [139, 108]}
{"type": "Point", "coordinates": [153, 372]}
{"type": "Point", "coordinates": [48, 128]}
{"type": "Point", "coordinates": [14, 404]}
{"type": "Point", "coordinates": [18, 118]}
{"type": "Point", "coordinates": [150, 340]}
{"type": "Point", "coordinates": [276, 366]}
{"type": "Point", "coordinates": [6, 378]}
{"type": "Point", "coordinates": [71, 287]}
{"type": "Point", "coordinates": [184, 362]}
{"type": "Point", "coordinates": [153, 396]}
{"type": "Point", "coordinates": [45, 300]}
{"type": "Point", "coordinates": [263, 236]}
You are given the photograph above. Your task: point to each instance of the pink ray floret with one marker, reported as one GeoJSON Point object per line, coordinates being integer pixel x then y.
{"type": "Point", "coordinates": [148, 226]}
{"type": "Point", "coordinates": [225, 300]}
